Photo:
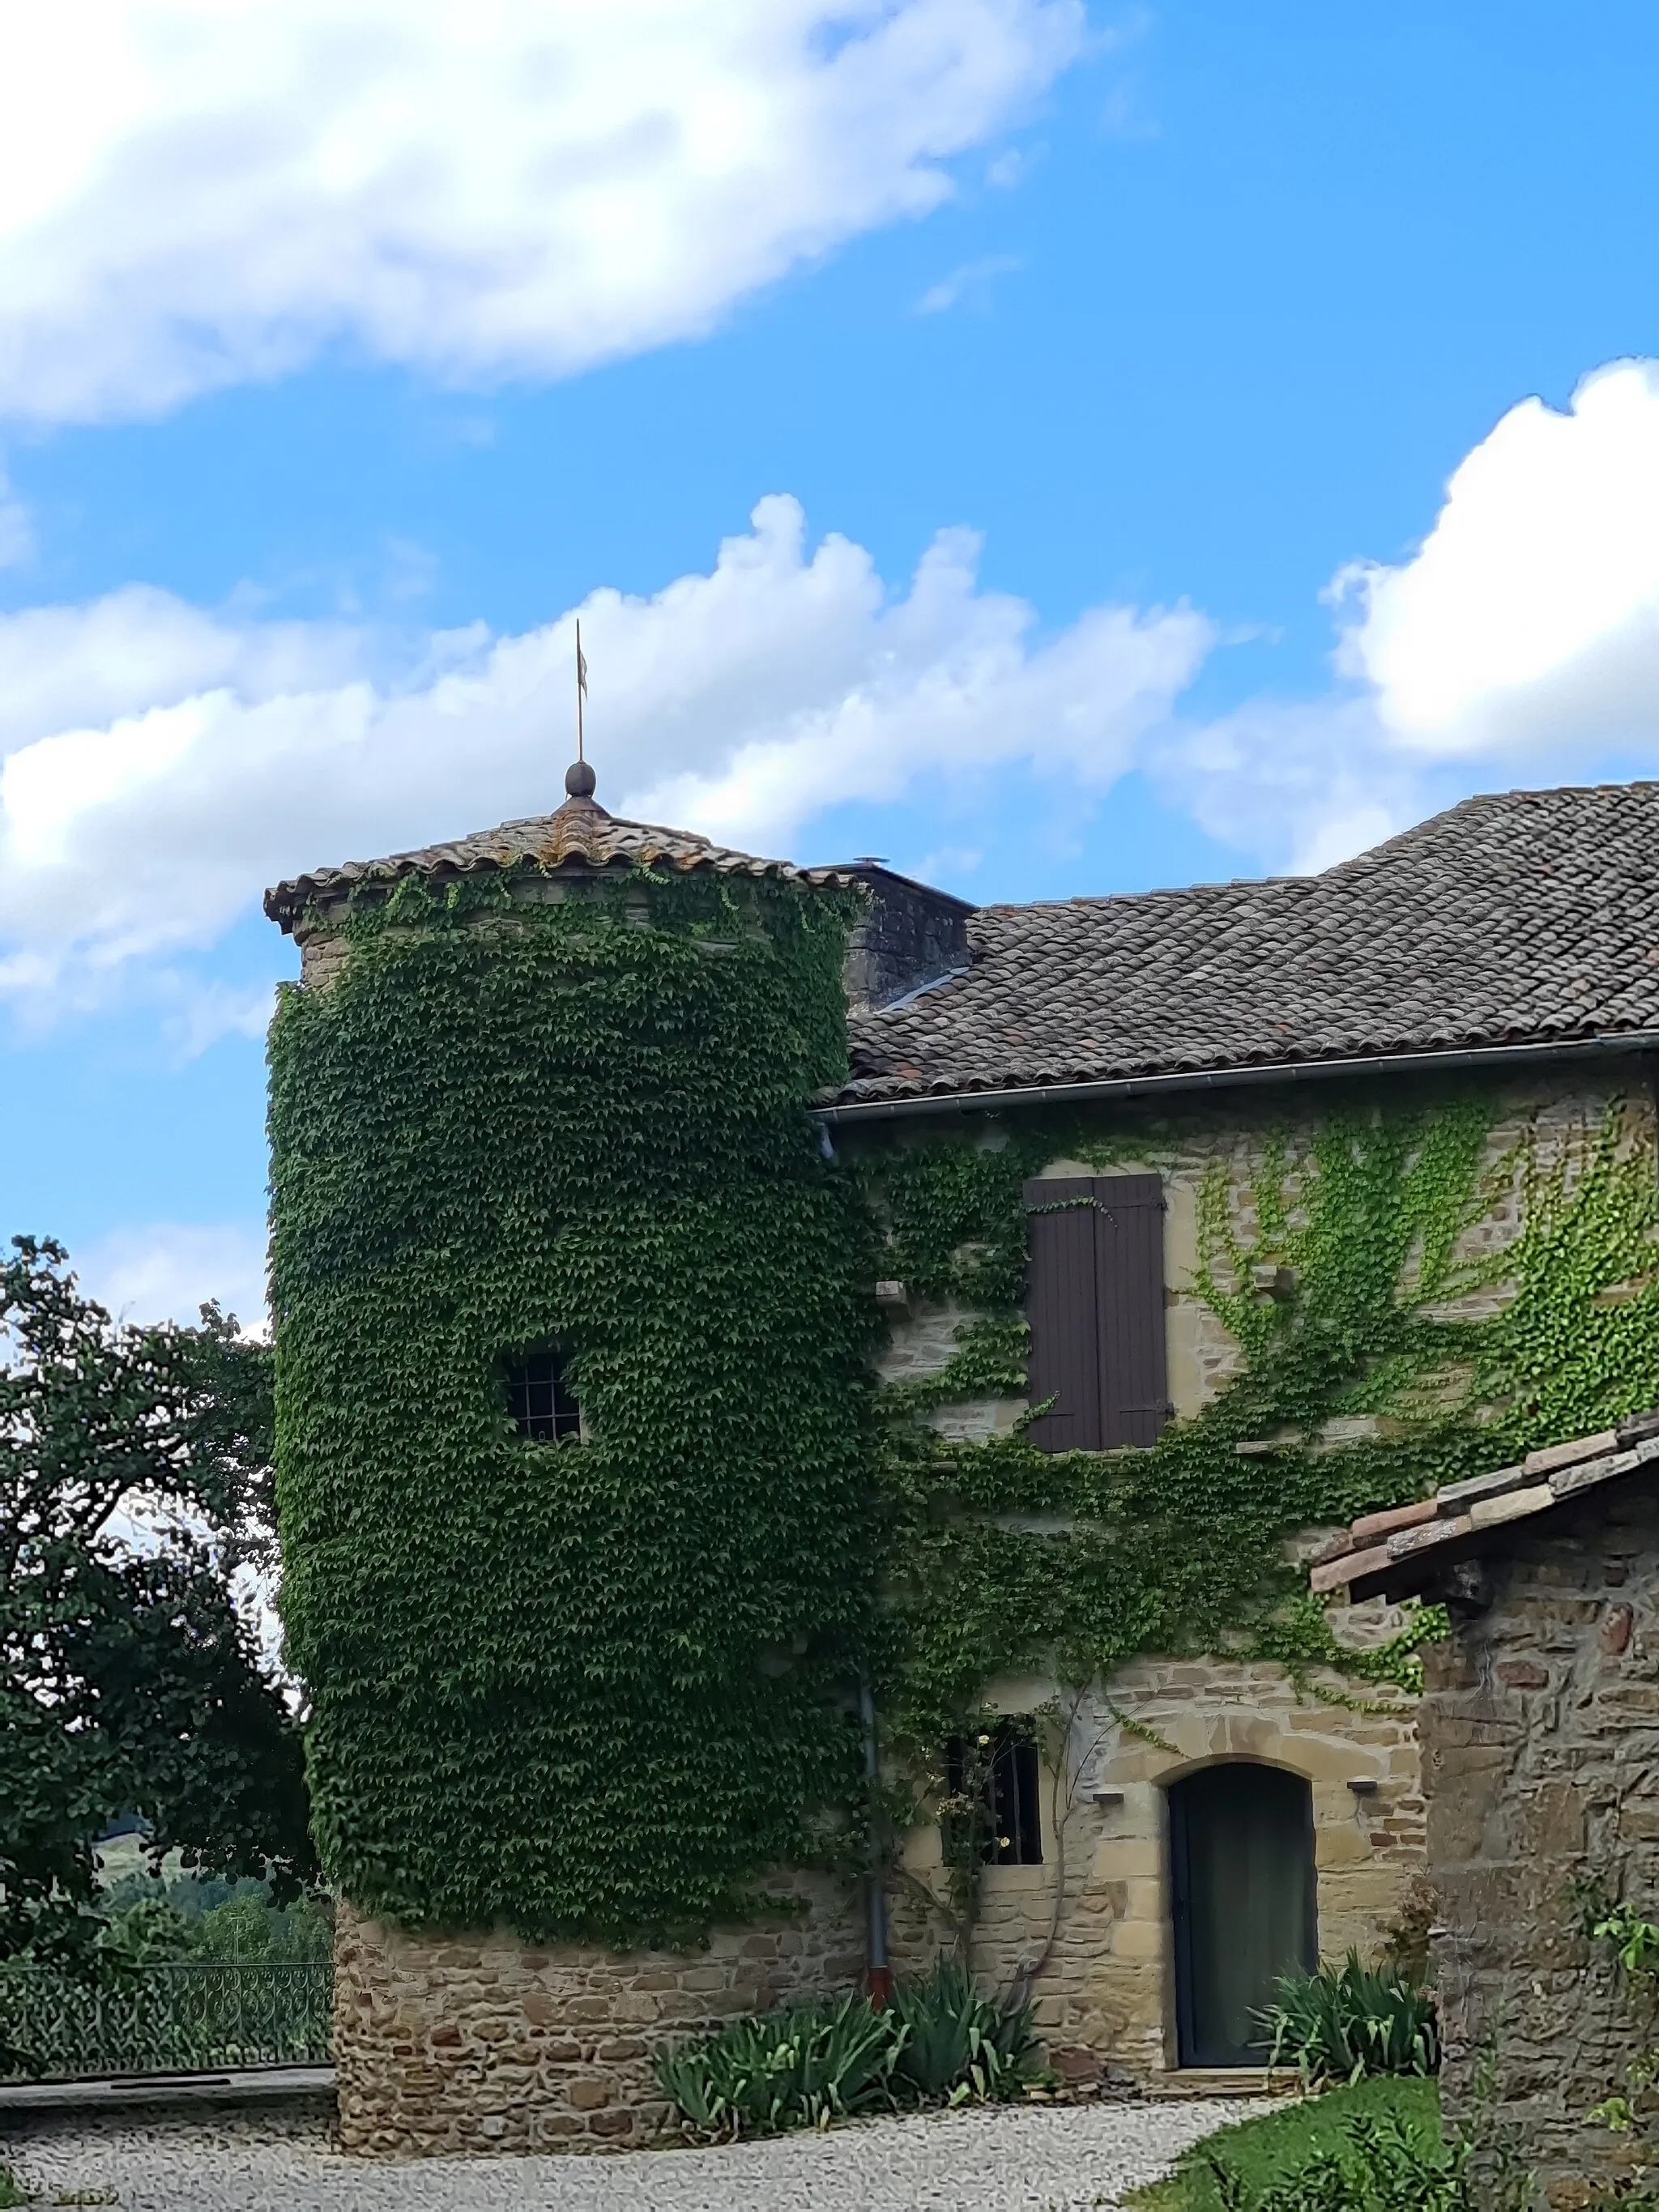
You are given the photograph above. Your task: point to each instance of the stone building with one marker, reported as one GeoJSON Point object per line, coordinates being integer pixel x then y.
{"type": "Point", "coordinates": [1539, 1730]}
{"type": "Point", "coordinates": [1208, 1821]}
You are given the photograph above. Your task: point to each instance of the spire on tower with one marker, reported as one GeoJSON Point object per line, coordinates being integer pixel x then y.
{"type": "Point", "coordinates": [579, 777]}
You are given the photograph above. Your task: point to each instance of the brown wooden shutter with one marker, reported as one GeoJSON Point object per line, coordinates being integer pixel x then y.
{"type": "Point", "coordinates": [1135, 1379]}
{"type": "Point", "coordinates": [1095, 1303]}
{"type": "Point", "coordinates": [1060, 1307]}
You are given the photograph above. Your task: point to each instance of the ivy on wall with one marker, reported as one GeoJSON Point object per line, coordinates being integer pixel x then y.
{"type": "Point", "coordinates": [600, 1690]}
{"type": "Point", "coordinates": [592, 1689]}
{"type": "Point", "coordinates": [1002, 1559]}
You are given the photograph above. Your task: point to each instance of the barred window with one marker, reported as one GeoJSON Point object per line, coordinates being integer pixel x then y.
{"type": "Point", "coordinates": [539, 1399]}
{"type": "Point", "coordinates": [996, 1774]}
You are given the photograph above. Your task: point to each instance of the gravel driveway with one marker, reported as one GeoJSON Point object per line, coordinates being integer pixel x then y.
{"type": "Point", "coordinates": [1042, 2159]}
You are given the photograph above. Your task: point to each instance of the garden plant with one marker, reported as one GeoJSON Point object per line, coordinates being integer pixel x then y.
{"type": "Point", "coordinates": [938, 2042]}
{"type": "Point", "coordinates": [1344, 2022]}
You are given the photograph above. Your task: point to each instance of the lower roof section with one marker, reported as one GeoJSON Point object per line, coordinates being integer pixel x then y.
{"type": "Point", "coordinates": [1407, 1549]}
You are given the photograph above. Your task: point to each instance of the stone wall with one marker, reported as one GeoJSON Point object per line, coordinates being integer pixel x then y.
{"type": "Point", "coordinates": [470, 2044]}
{"type": "Point", "coordinates": [1540, 1740]}
{"type": "Point", "coordinates": [1183, 1145]}
{"type": "Point", "coordinates": [1097, 1912]}
{"type": "Point", "coordinates": [473, 2044]}
{"type": "Point", "coordinates": [323, 954]}
{"type": "Point", "coordinates": [1103, 1991]}
{"type": "Point", "coordinates": [909, 936]}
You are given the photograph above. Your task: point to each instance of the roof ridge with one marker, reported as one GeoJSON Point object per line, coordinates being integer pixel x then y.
{"type": "Point", "coordinates": [1220, 884]}
{"type": "Point", "coordinates": [1410, 838]}
{"type": "Point", "coordinates": [1416, 834]}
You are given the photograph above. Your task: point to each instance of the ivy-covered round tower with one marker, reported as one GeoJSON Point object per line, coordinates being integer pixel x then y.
{"type": "Point", "coordinates": [571, 1318]}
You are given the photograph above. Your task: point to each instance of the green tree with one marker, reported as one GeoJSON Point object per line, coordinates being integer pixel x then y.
{"type": "Point", "coordinates": [128, 1681]}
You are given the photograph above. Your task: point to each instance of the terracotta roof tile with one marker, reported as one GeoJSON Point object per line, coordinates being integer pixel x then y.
{"type": "Point", "coordinates": [580, 834]}
{"type": "Point", "coordinates": [1356, 1560]}
{"type": "Point", "coordinates": [1554, 1456]}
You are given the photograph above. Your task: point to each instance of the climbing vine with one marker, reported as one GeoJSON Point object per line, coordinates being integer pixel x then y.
{"type": "Point", "coordinates": [1381, 1358]}
{"type": "Point", "coordinates": [1627, 1939]}
{"type": "Point", "coordinates": [601, 1689]}
{"type": "Point", "coordinates": [593, 1689]}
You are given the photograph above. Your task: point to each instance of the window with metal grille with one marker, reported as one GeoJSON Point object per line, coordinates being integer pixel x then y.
{"type": "Point", "coordinates": [540, 1399]}
{"type": "Point", "coordinates": [997, 1773]}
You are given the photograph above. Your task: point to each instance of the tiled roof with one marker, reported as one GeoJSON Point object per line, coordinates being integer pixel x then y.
{"type": "Point", "coordinates": [1529, 916]}
{"type": "Point", "coordinates": [1389, 1552]}
{"type": "Point", "coordinates": [580, 834]}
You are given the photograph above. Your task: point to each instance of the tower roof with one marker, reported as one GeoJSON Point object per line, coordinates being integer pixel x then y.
{"type": "Point", "coordinates": [579, 835]}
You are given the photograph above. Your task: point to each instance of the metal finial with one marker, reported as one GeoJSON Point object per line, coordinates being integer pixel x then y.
{"type": "Point", "coordinates": [579, 780]}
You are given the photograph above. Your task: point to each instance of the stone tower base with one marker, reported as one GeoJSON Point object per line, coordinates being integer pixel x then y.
{"type": "Point", "coordinates": [472, 2043]}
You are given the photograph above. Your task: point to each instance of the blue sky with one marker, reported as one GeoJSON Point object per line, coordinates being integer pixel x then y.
{"type": "Point", "coordinates": [1063, 452]}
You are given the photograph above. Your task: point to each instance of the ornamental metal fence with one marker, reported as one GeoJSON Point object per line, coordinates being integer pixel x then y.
{"type": "Point", "coordinates": [186, 2016]}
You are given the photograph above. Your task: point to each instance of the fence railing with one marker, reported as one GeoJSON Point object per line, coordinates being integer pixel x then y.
{"type": "Point", "coordinates": [187, 2016]}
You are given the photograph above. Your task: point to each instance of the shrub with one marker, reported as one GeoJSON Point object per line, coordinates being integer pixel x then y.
{"type": "Point", "coordinates": [1346, 2022]}
{"type": "Point", "coordinates": [149, 1919]}
{"type": "Point", "coordinates": [1405, 1941]}
{"type": "Point", "coordinates": [938, 2042]}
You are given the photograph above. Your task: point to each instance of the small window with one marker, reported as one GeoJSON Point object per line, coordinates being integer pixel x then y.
{"type": "Point", "coordinates": [539, 1398]}
{"type": "Point", "coordinates": [997, 1773]}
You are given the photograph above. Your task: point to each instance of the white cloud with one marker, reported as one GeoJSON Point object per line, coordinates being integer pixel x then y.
{"type": "Point", "coordinates": [161, 764]}
{"type": "Point", "coordinates": [192, 193]}
{"type": "Point", "coordinates": [945, 682]}
{"type": "Point", "coordinates": [197, 1010]}
{"type": "Point", "coordinates": [165, 764]}
{"type": "Point", "coordinates": [139, 649]}
{"type": "Point", "coordinates": [16, 529]}
{"type": "Point", "coordinates": [1299, 784]}
{"type": "Point", "coordinates": [1528, 622]}
{"type": "Point", "coordinates": [169, 1270]}
{"type": "Point", "coordinates": [972, 282]}
{"type": "Point", "coordinates": [949, 864]}
{"type": "Point", "coordinates": [1518, 644]}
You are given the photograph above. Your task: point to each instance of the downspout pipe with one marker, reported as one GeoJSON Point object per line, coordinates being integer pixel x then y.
{"type": "Point", "coordinates": [1614, 1044]}
{"type": "Point", "coordinates": [877, 1973]}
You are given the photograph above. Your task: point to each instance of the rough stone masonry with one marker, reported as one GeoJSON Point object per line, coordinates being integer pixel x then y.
{"type": "Point", "coordinates": [471, 2044]}
{"type": "Point", "coordinates": [1539, 1730]}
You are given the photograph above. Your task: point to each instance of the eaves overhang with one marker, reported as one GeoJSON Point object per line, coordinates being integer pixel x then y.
{"type": "Point", "coordinates": [1614, 1043]}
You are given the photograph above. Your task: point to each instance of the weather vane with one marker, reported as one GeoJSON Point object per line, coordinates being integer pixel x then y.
{"type": "Point", "coordinates": [581, 687]}
{"type": "Point", "coordinates": [579, 777]}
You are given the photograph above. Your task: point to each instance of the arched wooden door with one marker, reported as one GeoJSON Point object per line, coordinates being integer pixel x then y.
{"type": "Point", "coordinates": [1242, 1899]}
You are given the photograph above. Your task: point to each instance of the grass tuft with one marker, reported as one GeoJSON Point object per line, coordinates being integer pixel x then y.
{"type": "Point", "coordinates": [1273, 2146]}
